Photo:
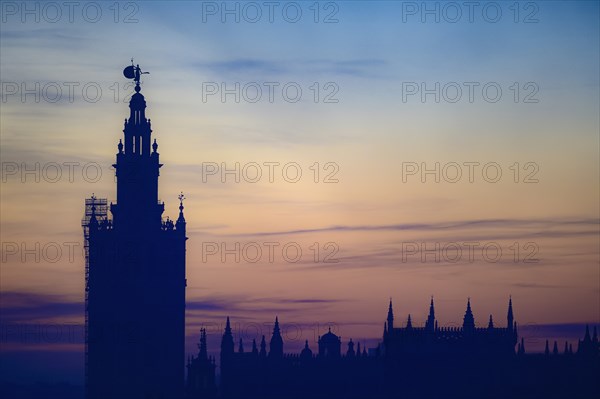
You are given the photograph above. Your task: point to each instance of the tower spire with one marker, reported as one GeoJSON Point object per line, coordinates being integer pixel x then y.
{"type": "Point", "coordinates": [137, 167]}
{"type": "Point", "coordinates": [430, 324]}
{"type": "Point", "coordinates": [510, 318]}
{"type": "Point", "coordinates": [469, 320]}
{"type": "Point", "coordinates": [263, 347]}
{"type": "Point", "coordinates": [276, 343]}
{"type": "Point", "coordinates": [227, 346]}
{"type": "Point", "coordinates": [202, 346]}
{"type": "Point", "coordinates": [522, 347]}
{"type": "Point", "coordinates": [390, 317]}
{"type": "Point", "coordinates": [587, 337]}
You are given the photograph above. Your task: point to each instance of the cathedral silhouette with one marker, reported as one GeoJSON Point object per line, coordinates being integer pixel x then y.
{"type": "Point", "coordinates": [409, 362]}
{"type": "Point", "coordinates": [135, 322]}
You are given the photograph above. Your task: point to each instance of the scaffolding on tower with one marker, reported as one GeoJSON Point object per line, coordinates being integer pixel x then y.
{"type": "Point", "coordinates": [100, 206]}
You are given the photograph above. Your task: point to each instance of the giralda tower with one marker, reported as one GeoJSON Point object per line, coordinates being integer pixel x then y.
{"type": "Point", "coordinates": [135, 276]}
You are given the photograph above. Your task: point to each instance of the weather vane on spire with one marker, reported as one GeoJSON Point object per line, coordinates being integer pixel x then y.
{"type": "Point", "coordinates": [134, 72]}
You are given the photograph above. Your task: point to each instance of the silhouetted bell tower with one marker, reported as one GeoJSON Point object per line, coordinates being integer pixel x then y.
{"type": "Point", "coordinates": [137, 170]}
{"type": "Point", "coordinates": [136, 283]}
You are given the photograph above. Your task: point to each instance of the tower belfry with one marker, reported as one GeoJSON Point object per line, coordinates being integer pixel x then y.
{"type": "Point", "coordinates": [137, 167]}
{"type": "Point", "coordinates": [135, 284]}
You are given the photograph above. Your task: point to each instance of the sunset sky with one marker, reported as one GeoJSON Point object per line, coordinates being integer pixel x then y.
{"type": "Point", "coordinates": [356, 122]}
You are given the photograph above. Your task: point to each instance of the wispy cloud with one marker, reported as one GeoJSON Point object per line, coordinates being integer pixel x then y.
{"type": "Point", "coordinates": [59, 37]}
{"type": "Point", "coordinates": [29, 307]}
{"type": "Point", "coordinates": [260, 68]}
{"type": "Point", "coordinates": [246, 66]}
{"type": "Point", "coordinates": [537, 285]}
{"type": "Point", "coordinates": [248, 304]}
{"type": "Point", "coordinates": [362, 68]}
{"type": "Point", "coordinates": [541, 224]}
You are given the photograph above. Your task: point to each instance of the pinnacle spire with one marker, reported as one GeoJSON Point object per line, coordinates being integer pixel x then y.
{"type": "Point", "coordinates": [276, 343]}
{"type": "Point", "coordinates": [430, 324]}
{"type": "Point", "coordinates": [227, 345]}
{"type": "Point", "coordinates": [263, 347]}
{"type": "Point", "coordinates": [469, 320]}
{"type": "Point", "coordinates": [202, 346]}
{"type": "Point", "coordinates": [276, 327]}
{"type": "Point", "coordinates": [390, 317]}
{"type": "Point", "coordinates": [510, 317]}
{"type": "Point", "coordinates": [587, 337]}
